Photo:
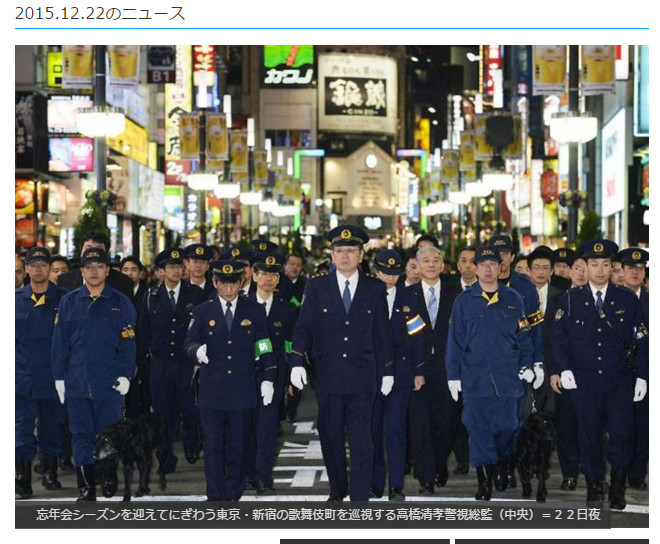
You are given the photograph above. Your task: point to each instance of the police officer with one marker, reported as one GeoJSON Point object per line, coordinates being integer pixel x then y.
{"type": "Point", "coordinates": [595, 325]}
{"type": "Point", "coordinates": [563, 258]}
{"type": "Point", "coordinates": [196, 261]}
{"type": "Point", "coordinates": [525, 288]}
{"type": "Point", "coordinates": [634, 261]}
{"type": "Point", "coordinates": [93, 357]}
{"type": "Point", "coordinates": [390, 412]}
{"type": "Point", "coordinates": [35, 396]}
{"type": "Point", "coordinates": [226, 335]}
{"type": "Point", "coordinates": [164, 317]}
{"type": "Point", "coordinates": [285, 288]}
{"type": "Point", "coordinates": [262, 445]}
{"type": "Point", "coordinates": [244, 255]}
{"type": "Point", "coordinates": [489, 354]}
{"type": "Point", "coordinates": [343, 322]}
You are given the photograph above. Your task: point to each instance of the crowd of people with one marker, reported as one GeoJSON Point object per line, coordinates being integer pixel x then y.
{"type": "Point", "coordinates": [409, 361]}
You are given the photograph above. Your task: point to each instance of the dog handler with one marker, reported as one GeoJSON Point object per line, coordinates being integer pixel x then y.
{"type": "Point", "coordinates": [93, 355]}
{"type": "Point", "coordinates": [489, 354]}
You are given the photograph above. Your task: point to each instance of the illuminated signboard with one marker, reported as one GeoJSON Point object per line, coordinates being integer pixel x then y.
{"type": "Point", "coordinates": [288, 66]}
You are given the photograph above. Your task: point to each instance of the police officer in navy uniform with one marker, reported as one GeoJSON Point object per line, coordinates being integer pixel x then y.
{"type": "Point", "coordinates": [245, 255]}
{"type": "Point", "coordinates": [262, 445]}
{"type": "Point", "coordinates": [489, 355]}
{"type": "Point", "coordinates": [196, 260]}
{"type": "Point", "coordinates": [595, 325]}
{"type": "Point", "coordinates": [343, 323]}
{"type": "Point", "coordinates": [561, 272]}
{"type": "Point", "coordinates": [525, 288]}
{"type": "Point", "coordinates": [93, 358]}
{"type": "Point", "coordinates": [228, 337]}
{"type": "Point", "coordinates": [390, 412]}
{"type": "Point", "coordinates": [634, 260]}
{"type": "Point", "coordinates": [285, 287]}
{"type": "Point", "coordinates": [35, 396]}
{"type": "Point", "coordinates": [164, 317]}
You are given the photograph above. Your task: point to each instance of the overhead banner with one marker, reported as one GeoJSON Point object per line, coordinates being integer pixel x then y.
{"type": "Point", "coordinates": [77, 66]}
{"type": "Point", "coordinates": [357, 93]}
{"type": "Point", "coordinates": [288, 66]}
{"type": "Point", "coordinates": [178, 99]}
{"type": "Point", "coordinates": [217, 137]}
{"type": "Point", "coordinates": [260, 169]}
{"type": "Point", "coordinates": [189, 134]}
{"type": "Point", "coordinates": [468, 161]}
{"type": "Point", "coordinates": [549, 75]}
{"type": "Point", "coordinates": [598, 69]}
{"type": "Point", "coordinates": [239, 151]}
{"type": "Point", "coordinates": [482, 150]}
{"type": "Point", "coordinates": [450, 160]}
{"type": "Point", "coordinates": [123, 65]}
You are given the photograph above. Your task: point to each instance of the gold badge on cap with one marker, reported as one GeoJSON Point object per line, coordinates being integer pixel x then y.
{"type": "Point", "coordinates": [212, 323]}
{"type": "Point", "coordinates": [199, 251]}
{"type": "Point", "coordinates": [270, 261]}
{"type": "Point", "coordinates": [391, 261]}
{"type": "Point", "coordinates": [598, 248]}
{"type": "Point", "coordinates": [234, 252]}
{"type": "Point", "coordinates": [345, 234]}
{"type": "Point", "coordinates": [262, 246]}
{"type": "Point", "coordinates": [636, 255]}
{"type": "Point", "coordinates": [562, 253]}
{"type": "Point", "coordinates": [175, 254]}
{"type": "Point", "coordinates": [227, 269]}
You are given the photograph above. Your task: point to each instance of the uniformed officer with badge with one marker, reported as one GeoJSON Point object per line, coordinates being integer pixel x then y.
{"type": "Point", "coordinates": [243, 254]}
{"type": "Point", "coordinates": [390, 413]}
{"type": "Point", "coordinates": [596, 327]}
{"type": "Point", "coordinates": [229, 338]}
{"type": "Point", "coordinates": [489, 356]}
{"type": "Point", "coordinates": [93, 357]}
{"type": "Point", "coordinates": [196, 260]}
{"type": "Point", "coordinates": [35, 396]}
{"type": "Point", "coordinates": [343, 323]}
{"type": "Point", "coordinates": [285, 287]}
{"type": "Point", "coordinates": [164, 317]}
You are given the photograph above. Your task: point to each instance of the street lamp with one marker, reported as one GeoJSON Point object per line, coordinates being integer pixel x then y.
{"type": "Point", "coordinates": [101, 122]}
{"type": "Point", "coordinates": [573, 127]}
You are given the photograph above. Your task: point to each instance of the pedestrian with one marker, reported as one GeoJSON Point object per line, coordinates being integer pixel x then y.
{"type": "Point", "coordinates": [294, 269]}
{"type": "Point", "coordinates": [20, 272]}
{"type": "Point", "coordinates": [226, 336]}
{"type": "Point", "coordinates": [434, 416]}
{"type": "Point", "coordinates": [164, 318]}
{"type": "Point", "coordinates": [617, 270]}
{"type": "Point", "coordinates": [411, 275]}
{"type": "Point", "coordinates": [390, 412]}
{"type": "Point", "coordinates": [196, 260]}
{"type": "Point", "coordinates": [35, 395]}
{"type": "Point", "coordinates": [343, 323]}
{"type": "Point", "coordinates": [131, 267]}
{"type": "Point", "coordinates": [489, 355]}
{"type": "Point", "coordinates": [58, 265]}
{"type": "Point", "coordinates": [596, 326]}
{"type": "Point", "coordinates": [93, 357]}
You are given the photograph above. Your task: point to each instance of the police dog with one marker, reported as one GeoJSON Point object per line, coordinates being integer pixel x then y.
{"type": "Point", "coordinates": [135, 441]}
{"type": "Point", "coordinates": [536, 443]}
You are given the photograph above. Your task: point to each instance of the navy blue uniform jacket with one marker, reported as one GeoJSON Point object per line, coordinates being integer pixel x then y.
{"type": "Point", "coordinates": [349, 351]}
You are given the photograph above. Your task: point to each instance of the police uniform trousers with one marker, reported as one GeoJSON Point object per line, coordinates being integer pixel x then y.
{"type": "Point", "coordinates": [353, 412]}
{"type": "Point", "coordinates": [434, 418]}
{"type": "Point", "coordinates": [640, 460]}
{"type": "Point", "coordinates": [603, 406]}
{"type": "Point", "coordinates": [389, 418]}
{"type": "Point", "coordinates": [567, 436]}
{"type": "Point", "coordinates": [461, 450]}
{"type": "Point", "coordinates": [138, 398]}
{"type": "Point", "coordinates": [224, 436]}
{"type": "Point", "coordinates": [191, 434]}
{"type": "Point", "coordinates": [88, 417]}
{"type": "Point", "coordinates": [491, 423]}
{"type": "Point", "coordinates": [50, 415]}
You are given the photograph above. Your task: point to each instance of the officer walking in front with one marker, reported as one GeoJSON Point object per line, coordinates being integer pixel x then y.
{"type": "Point", "coordinates": [489, 355]}
{"type": "Point", "coordinates": [225, 337]}
{"type": "Point", "coordinates": [595, 326]}
{"type": "Point", "coordinates": [35, 396]}
{"type": "Point", "coordinates": [343, 323]}
{"type": "Point", "coordinates": [164, 317]}
{"type": "Point", "coordinates": [93, 358]}
{"type": "Point", "coordinates": [390, 412]}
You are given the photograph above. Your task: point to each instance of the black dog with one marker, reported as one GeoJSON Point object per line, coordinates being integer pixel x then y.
{"type": "Point", "coordinates": [536, 443]}
{"type": "Point", "coordinates": [135, 441]}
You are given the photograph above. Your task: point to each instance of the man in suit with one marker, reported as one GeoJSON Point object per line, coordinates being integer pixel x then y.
{"type": "Point", "coordinates": [294, 268]}
{"type": "Point", "coordinates": [434, 416]}
{"type": "Point", "coordinates": [634, 261]}
{"type": "Point", "coordinates": [343, 322]}
{"type": "Point", "coordinates": [131, 267]}
{"type": "Point", "coordinates": [163, 321]}
{"type": "Point", "coordinates": [74, 278]}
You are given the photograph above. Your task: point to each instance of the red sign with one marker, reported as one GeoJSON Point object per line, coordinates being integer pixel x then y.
{"type": "Point", "coordinates": [203, 58]}
{"type": "Point", "coordinates": [493, 64]}
{"type": "Point", "coordinates": [176, 172]}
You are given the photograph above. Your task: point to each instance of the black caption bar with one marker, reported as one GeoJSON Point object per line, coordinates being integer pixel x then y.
{"type": "Point", "coordinates": [312, 515]}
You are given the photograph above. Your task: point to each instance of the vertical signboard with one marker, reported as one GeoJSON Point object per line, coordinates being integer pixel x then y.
{"type": "Point", "coordinates": [598, 73]}
{"type": "Point", "coordinates": [614, 171]}
{"type": "Point", "coordinates": [288, 66]}
{"type": "Point", "coordinates": [641, 122]}
{"type": "Point", "coordinates": [161, 66]}
{"type": "Point", "coordinates": [178, 99]}
{"type": "Point", "coordinates": [549, 74]}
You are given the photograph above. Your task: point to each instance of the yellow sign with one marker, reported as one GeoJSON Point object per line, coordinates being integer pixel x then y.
{"type": "Point", "coordinates": [77, 63]}
{"type": "Point", "coordinates": [133, 142]}
{"type": "Point", "coordinates": [239, 152]}
{"type": "Point", "coordinates": [189, 136]}
{"type": "Point", "coordinates": [482, 150]}
{"type": "Point", "coordinates": [124, 65]}
{"type": "Point", "coordinates": [449, 166]}
{"type": "Point", "coordinates": [468, 162]}
{"type": "Point", "coordinates": [217, 136]}
{"type": "Point", "coordinates": [549, 69]}
{"type": "Point", "coordinates": [54, 69]}
{"type": "Point", "coordinates": [598, 62]}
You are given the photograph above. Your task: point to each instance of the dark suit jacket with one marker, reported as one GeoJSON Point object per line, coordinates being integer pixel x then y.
{"type": "Point", "coordinates": [139, 295]}
{"type": "Point", "coordinates": [644, 299]}
{"type": "Point", "coordinates": [73, 279]}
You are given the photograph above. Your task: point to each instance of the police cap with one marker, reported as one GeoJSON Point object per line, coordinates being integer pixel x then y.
{"type": "Point", "coordinates": [502, 242]}
{"type": "Point", "coordinates": [563, 255]}
{"type": "Point", "coordinates": [228, 270]}
{"type": "Point", "coordinates": [389, 261]}
{"type": "Point", "coordinates": [268, 262]}
{"type": "Point", "coordinates": [347, 235]}
{"type": "Point", "coordinates": [240, 253]}
{"type": "Point", "coordinates": [264, 246]}
{"type": "Point", "coordinates": [36, 253]}
{"type": "Point", "coordinates": [171, 256]}
{"type": "Point", "coordinates": [200, 252]}
{"type": "Point", "coordinates": [599, 249]}
{"type": "Point", "coordinates": [634, 256]}
{"type": "Point", "coordinates": [487, 253]}
{"type": "Point", "coordinates": [93, 255]}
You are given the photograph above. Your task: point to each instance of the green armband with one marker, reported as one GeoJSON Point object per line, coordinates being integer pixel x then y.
{"type": "Point", "coordinates": [262, 346]}
{"type": "Point", "coordinates": [288, 345]}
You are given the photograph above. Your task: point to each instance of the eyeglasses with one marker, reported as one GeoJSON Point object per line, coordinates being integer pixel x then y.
{"type": "Point", "coordinates": [172, 266]}
{"type": "Point", "coordinates": [544, 268]}
{"type": "Point", "coordinates": [351, 251]}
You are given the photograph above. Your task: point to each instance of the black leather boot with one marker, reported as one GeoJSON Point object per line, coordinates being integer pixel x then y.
{"type": "Point", "coordinates": [24, 478]}
{"type": "Point", "coordinates": [594, 490]}
{"type": "Point", "coordinates": [502, 468]}
{"type": "Point", "coordinates": [86, 482]}
{"type": "Point", "coordinates": [617, 493]}
{"type": "Point", "coordinates": [109, 477]}
{"type": "Point", "coordinates": [49, 478]}
{"type": "Point", "coordinates": [484, 482]}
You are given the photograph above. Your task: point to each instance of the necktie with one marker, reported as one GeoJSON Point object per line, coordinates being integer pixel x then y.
{"type": "Point", "coordinates": [172, 299]}
{"type": "Point", "coordinates": [599, 300]}
{"type": "Point", "coordinates": [346, 297]}
{"type": "Point", "coordinates": [265, 305]}
{"type": "Point", "coordinates": [433, 306]}
{"type": "Point", "coordinates": [229, 317]}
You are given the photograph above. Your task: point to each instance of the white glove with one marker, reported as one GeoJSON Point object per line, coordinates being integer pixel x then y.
{"type": "Point", "coordinates": [201, 354]}
{"type": "Point", "coordinates": [267, 391]}
{"type": "Point", "coordinates": [298, 377]}
{"type": "Point", "coordinates": [59, 387]}
{"type": "Point", "coordinates": [386, 386]}
{"type": "Point", "coordinates": [454, 388]}
{"type": "Point", "coordinates": [540, 375]}
{"type": "Point", "coordinates": [122, 385]}
{"type": "Point", "coordinates": [640, 390]}
{"type": "Point", "coordinates": [526, 374]}
{"type": "Point", "coordinates": [568, 380]}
